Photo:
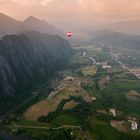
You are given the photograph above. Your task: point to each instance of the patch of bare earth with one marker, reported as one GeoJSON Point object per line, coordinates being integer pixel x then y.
{"type": "Point", "coordinates": [103, 81]}
{"type": "Point", "coordinates": [101, 111]}
{"type": "Point", "coordinates": [133, 95]}
{"type": "Point", "coordinates": [86, 81]}
{"type": "Point", "coordinates": [137, 71]}
{"type": "Point", "coordinates": [119, 125]}
{"type": "Point", "coordinates": [69, 105]}
{"type": "Point", "coordinates": [42, 108]}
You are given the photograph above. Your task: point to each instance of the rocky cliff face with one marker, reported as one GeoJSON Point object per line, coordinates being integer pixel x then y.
{"type": "Point", "coordinates": [29, 57]}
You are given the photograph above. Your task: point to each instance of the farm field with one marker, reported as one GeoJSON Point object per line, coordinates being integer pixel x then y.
{"type": "Point", "coordinates": [89, 71]}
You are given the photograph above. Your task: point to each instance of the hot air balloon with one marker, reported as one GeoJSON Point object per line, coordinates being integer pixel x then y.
{"type": "Point", "coordinates": [69, 34]}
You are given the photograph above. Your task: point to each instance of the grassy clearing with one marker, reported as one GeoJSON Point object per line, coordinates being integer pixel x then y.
{"type": "Point", "coordinates": [35, 133]}
{"type": "Point", "coordinates": [128, 85]}
{"type": "Point", "coordinates": [65, 119]}
{"type": "Point", "coordinates": [121, 86]}
{"type": "Point", "coordinates": [92, 50]}
{"type": "Point", "coordinates": [32, 123]}
{"type": "Point", "coordinates": [100, 130]}
{"type": "Point", "coordinates": [77, 135]}
{"type": "Point", "coordinates": [62, 134]}
{"type": "Point", "coordinates": [89, 71]}
{"type": "Point", "coordinates": [77, 59]}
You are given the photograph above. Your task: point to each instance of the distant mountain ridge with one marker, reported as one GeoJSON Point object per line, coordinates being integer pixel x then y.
{"type": "Point", "coordinates": [9, 25]}
{"type": "Point", "coordinates": [108, 37]}
{"type": "Point", "coordinates": [35, 24]}
{"type": "Point", "coordinates": [129, 27]}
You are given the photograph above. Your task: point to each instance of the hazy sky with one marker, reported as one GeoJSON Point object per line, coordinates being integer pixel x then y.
{"type": "Point", "coordinates": [73, 11]}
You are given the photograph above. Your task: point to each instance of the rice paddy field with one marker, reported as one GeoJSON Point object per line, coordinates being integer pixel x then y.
{"type": "Point", "coordinates": [89, 70]}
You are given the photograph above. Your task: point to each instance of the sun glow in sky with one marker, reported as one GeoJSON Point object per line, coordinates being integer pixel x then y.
{"type": "Point", "coordinates": [80, 11]}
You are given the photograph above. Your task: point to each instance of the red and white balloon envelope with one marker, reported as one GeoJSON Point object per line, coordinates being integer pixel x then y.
{"type": "Point", "coordinates": [69, 34]}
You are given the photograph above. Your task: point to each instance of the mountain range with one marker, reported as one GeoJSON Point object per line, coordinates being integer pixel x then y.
{"type": "Point", "coordinates": [9, 25]}
{"type": "Point", "coordinates": [128, 27]}
{"type": "Point", "coordinates": [108, 37]}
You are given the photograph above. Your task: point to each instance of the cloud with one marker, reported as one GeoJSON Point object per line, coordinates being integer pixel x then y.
{"type": "Point", "coordinates": [45, 2]}
{"type": "Point", "coordinates": [72, 9]}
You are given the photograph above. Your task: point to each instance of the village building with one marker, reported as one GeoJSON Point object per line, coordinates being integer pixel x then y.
{"type": "Point", "coordinates": [134, 124]}
{"type": "Point", "coordinates": [106, 67]}
{"type": "Point", "coordinates": [113, 111]}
